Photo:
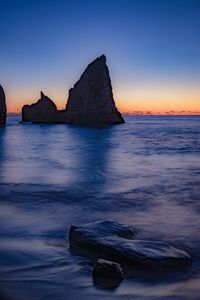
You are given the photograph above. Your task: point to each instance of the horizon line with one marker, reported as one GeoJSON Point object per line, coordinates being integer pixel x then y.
{"type": "Point", "coordinates": [149, 113]}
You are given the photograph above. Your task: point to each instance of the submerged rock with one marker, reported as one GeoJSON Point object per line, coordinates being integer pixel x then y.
{"type": "Point", "coordinates": [3, 109]}
{"type": "Point", "coordinates": [91, 99]}
{"type": "Point", "coordinates": [40, 112]}
{"type": "Point", "coordinates": [106, 242]}
{"type": "Point", "coordinates": [108, 274]}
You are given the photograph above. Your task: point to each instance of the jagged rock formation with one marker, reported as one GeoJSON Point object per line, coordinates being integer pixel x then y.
{"type": "Point", "coordinates": [3, 109]}
{"type": "Point", "coordinates": [39, 112]}
{"type": "Point", "coordinates": [91, 99]}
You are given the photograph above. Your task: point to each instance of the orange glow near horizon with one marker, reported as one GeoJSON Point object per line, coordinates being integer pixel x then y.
{"type": "Point", "coordinates": [160, 99]}
{"type": "Point", "coordinates": [135, 99]}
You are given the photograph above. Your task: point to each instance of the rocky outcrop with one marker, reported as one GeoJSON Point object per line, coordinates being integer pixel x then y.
{"type": "Point", "coordinates": [114, 241]}
{"type": "Point", "coordinates": [89, 232]}
{"type": "Point", "coordinates": [40, 112]}
{"type": "Point", "coordinates": [3, 109]}
{"type": "Point", "coordinates": [107, 274]}
{"type": "Point", "coordinates": [91, 99]}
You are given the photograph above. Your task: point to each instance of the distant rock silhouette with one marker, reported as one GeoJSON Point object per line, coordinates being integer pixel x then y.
{"type": "Point", "coordinates": [39, 112]}
{"type": "Point", "coordinates": [90, 101]}
{"type": "Point", "coordinates": [3, 109]}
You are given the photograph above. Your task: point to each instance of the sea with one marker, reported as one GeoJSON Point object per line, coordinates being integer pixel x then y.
{"type": "Point", "coordinates": [144, 173]}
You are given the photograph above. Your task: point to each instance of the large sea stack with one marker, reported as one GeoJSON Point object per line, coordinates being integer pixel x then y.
{"type": "Point", "coordinates": [3, 109]}
{"type": "Point", "coordinates": [91, 99]}
{"type": "Point", "coordinates": [39, 112]}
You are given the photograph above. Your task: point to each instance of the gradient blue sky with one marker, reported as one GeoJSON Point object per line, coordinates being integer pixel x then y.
{"type": "Point", "coordinates": [152, 49]}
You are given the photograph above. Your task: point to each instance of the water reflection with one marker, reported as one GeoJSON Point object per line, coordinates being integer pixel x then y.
{"type": "Point", "coordinates": [92, 151]}
{"type": "Point", "coordinates": [64, 155]}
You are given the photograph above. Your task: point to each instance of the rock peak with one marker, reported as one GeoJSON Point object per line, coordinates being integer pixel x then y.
{"type": "Point", "coordinates": [103, 58]}
{"type": "Point", "coordinates": [42, 95]}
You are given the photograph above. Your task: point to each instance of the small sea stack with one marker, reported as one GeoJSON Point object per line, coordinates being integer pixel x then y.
{"type": "Point", "coordinates": [91, 99]}
{"type": "Point", "coordinates": [3, 109]}
{"type": "Point", "coordinates": [39, 112]}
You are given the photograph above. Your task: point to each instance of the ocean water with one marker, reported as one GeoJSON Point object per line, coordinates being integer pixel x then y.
{"type": "Point", "coordinates": [145, 173]}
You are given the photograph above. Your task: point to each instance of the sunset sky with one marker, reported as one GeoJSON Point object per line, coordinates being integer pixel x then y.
{"type": "Point", "coordinates": [152, 49]}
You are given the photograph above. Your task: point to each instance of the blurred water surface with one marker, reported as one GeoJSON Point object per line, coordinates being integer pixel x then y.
{"type": "Point", "coordinates": [145, 172]}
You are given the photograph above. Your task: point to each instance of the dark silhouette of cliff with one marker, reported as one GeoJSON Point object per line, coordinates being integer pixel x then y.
{"type": "Point", "coordinates": [90, 101]}
{"type": "Point", "coordinates": [3, 109]}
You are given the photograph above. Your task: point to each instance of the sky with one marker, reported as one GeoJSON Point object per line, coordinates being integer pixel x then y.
{"type": "Point", "coordinates": [152, 49]}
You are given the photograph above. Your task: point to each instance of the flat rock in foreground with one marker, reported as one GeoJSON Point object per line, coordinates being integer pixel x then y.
{"type": "Point", "coordinates": [92, 231]}
{"type": "Point", "coordinates": [3, 109]}
{"type": "Point", "coordinates": [114, 245]}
